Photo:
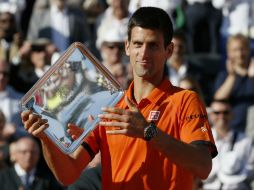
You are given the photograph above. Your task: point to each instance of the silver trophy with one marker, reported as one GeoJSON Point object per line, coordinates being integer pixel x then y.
{"type": "Point", "coordinates": [74, 88]}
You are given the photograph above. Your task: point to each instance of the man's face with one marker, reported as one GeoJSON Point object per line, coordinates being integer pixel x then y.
{"type": "Point", "coordinates": [220, 115]}
{"type": "Point", "coordinates": [179, 48]}
{"type": "Point", "coordinates": [147, 53]}
{"type": "Point", "coordinates": [27, 154]}
{"type": "Point", "coordinates": [238, 53]}
{"type": "Point", "coordinates": [112, 53]}
{"type": "Point", "coordinates": [4, 75]}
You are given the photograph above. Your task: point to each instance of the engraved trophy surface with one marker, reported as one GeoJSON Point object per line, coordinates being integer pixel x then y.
{"type": "Point", "coordinates": [76, 86]}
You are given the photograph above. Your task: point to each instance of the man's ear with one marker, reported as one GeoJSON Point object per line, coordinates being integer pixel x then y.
{"type": "Point", "coordinates": [170, 49]}
{"type": "Point", "coordinates": [127, 49]}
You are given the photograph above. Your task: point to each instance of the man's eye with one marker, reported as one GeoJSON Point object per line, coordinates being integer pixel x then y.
{"type": "Point", "coordinates": [137, 45]}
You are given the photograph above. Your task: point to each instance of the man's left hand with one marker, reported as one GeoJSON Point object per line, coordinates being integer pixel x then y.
{"type": "Point", "coordinates": [128, 122]}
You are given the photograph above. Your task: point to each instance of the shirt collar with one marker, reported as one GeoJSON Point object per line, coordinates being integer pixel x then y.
{"type": "Point", "coordinates": [21, 172]}
{"type": "Point", "coordinates": [156, 94]}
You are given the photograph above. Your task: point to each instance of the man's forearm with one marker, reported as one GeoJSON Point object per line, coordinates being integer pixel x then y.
{"type": "Point", "coordinates": [196, 159]}
{"type": "Point", "coordinates": [225, 90]}
{"type": "Point", "coordinates": [65, 168]}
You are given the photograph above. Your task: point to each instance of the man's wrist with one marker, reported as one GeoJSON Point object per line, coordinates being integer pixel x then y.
{"type": "Point", "coordinates": [150, 131]}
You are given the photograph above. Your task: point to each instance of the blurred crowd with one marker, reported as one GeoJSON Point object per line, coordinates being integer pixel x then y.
{"type": "Point", "coordinates": [213, 49]}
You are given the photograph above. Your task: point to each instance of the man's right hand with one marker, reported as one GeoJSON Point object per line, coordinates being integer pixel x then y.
{"type": "Point", "coordinates": [34, 124]}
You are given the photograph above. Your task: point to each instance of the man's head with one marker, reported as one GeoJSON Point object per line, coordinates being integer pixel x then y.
{"type": "Point", "coordinates": [4, 74]}
{"type": "Point", "coordinates": [179, 41]}
{"type": "Point", "coordinates": [152, 18]}
{"type": "Point", "coordinates": [39, 53]}
{"type": "Point", "coordinates": [221, 114]}
{"type": "Point", "coordinates": [238, 50]}
{"type": "Point", "coordinates": [149, 43]}
{"type": "Point", "coordinates": [26, 153]}
{"type": "Point", "coordinates": [112, 47]}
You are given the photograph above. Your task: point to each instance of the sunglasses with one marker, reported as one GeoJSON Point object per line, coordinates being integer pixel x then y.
{"type": "Point", "coordinates": [225, 112]}
{"type": "Point", "coordinates": [113, 46]}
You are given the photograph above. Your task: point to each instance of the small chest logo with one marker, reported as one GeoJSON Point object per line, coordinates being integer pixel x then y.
{"type": "Point", "coordinates": [154, 115]}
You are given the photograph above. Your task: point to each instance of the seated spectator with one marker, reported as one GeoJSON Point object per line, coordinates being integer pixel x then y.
{"type": "Point", "coordinates": [202, 26]}
{"type": "Point", "coordinates": [115, 17]}
{"type": "Point", "coordinates": [233, 168]}
{"type": "Point", "coordinates": [33, 64]}
{"type": "Point", "coordinates": [24, 173]}
{"type": "Point", "coordinates": [236, 83]}
{"type": "Point", "coordinates": [60, 24]}
{"type": "Point", "coordinates": [177, 65]}
{"type": "Point", "coordinates": [3, 143]}
{"type": "Point", "coordinates": [10, 39]}
{"type": "Point", "coordinates": [10, 100]}
{"type": "Point", "coordinates": [237, 17]}
{"type": "Point", "coordinates": [168, 6]}
{"type": "Point", "coordinates": [113, 55]}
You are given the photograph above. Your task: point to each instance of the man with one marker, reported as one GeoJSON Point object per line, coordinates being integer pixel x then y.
{"type": "Point", "coordinates": [147, 139]}
{"type": "Point", "coordinates": [233, 168]}
{"type": "Point", "coordinates": [236, 83]}
{"type": "Point", "coordinates": [178, 66]}
{"type": "Point", "coordinates": [59, 23]}
{"type": "Point", "coordinates": [23, 174]}
{"type": "Point", "coordinates": [10, 99]}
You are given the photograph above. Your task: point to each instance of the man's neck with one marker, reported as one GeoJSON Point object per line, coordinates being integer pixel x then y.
{"type": "Point", "coordinates": [143, 88]}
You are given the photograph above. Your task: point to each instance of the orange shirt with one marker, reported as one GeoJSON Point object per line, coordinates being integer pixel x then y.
{"type": "Point", "coordinates": [132, 163]}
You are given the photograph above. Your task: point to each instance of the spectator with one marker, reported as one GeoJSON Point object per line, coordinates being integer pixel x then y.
{"type": "Point", "coordinates": [115, 17]}
{"type": "Point", "coordinates": [233, 168]}
{"type": "Point", "coordinates": [60, 24]}
{"type": "Point", "coordinates": [14, 7]}
{"type": "Point", "coordinates": [113, 56]}
{"type": "Point", "coordinates": [237, 17]}
{"type": "Point", "coordinates": [177, 65]}
{"type": "Point", "coordinates": [236, 84]}
{"type": "Point", "coordinates": [120, 72]}
{"type": "Point", "coordinates": [24, 173]}
{"type": "Point", "coordinates": [33, 65]}
{"type": "Point", "coordinates": [166, 5]}
{"type": "Point", "coordinates": [3, 143]}
{"type": "Point", "coordinates": [10, 38]}
{"type": "Point", "coordinates": [202, 25]}
{"type": "Point", "coordinates": [9, 99]}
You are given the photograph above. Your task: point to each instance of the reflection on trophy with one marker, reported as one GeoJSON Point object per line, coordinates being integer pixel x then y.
{"type": "Point", "coordinates": [76, 86]}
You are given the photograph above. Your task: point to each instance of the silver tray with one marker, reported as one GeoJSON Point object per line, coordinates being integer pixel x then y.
{"type": "Point", "coordinates": [76, 86]}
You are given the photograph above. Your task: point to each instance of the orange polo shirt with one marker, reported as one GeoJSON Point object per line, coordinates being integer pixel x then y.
{"type": "Point", "coordinates": [132, 163]}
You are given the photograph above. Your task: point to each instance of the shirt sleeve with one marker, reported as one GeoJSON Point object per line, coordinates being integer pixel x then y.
{"type": "Point", "coordinates": [195, 127]}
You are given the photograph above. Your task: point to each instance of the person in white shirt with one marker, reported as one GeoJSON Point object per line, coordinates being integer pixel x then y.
{"type": "Point", "coordinates": [10, 99]}
{"type": "Point", "coordinates": [23, 174]}
{"type": "Point", "coordinates": [233, 168]}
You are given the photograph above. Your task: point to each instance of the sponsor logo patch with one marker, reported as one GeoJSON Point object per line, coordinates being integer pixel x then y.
{"type": "Point", "coordinates": [203, 129]}
{"type": "Point", "coordinates": [154, 115]}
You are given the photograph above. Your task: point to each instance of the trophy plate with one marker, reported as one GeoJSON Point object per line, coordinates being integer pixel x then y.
{"type": "Point", "coordinates": [76, 85]}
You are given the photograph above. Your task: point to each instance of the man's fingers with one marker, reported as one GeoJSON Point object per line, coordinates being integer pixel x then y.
{"type": "Point", "coordinates": [90, 118]}
{"type": "Point", "coordinates": [114, 110]}
{"type": "Point", "coordinates": [39, 131]}
{"type": "Point", "coordinates": [116, 132]}
{"type": "Point", "coordinates": [25, 115]}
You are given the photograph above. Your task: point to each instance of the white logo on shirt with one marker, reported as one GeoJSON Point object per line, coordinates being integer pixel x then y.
{"type": "Point", "coordinates": [154, 115]}
{"type": "Point", "coordinates": [203, 129]}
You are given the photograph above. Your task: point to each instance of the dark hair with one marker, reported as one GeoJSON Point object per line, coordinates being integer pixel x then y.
{"type": "Point", "coordinates": [152, 18]}
{"type": "Point", "coordinates": [179, 34]}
